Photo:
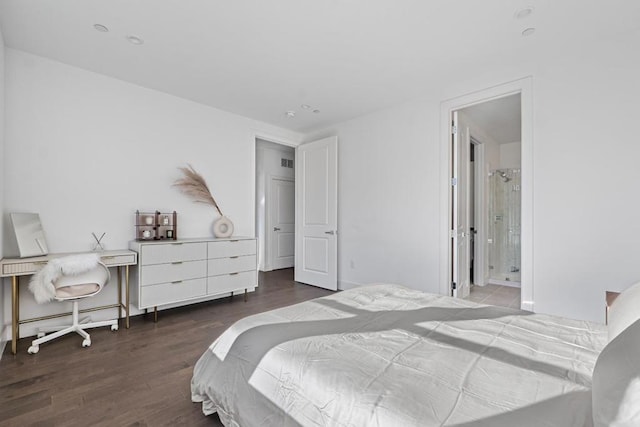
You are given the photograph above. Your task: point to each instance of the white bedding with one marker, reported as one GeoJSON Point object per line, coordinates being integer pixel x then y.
{"type": "Point", "coordinates": [385, 355]}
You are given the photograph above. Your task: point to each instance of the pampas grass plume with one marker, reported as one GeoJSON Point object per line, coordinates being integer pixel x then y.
{"type": "Point", "coordinates": [193, 184]}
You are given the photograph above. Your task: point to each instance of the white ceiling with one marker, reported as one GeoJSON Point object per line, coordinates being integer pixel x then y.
{"type": "Point", "coordinates": [500, 118]}
{"type": "Point", "coordinates": [260, 58]}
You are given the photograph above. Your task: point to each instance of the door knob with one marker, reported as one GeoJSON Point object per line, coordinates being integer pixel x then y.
{"type": "Point", "coordinates": [276, 229]}
{"type": "Point", "coordinates": [329, 232]}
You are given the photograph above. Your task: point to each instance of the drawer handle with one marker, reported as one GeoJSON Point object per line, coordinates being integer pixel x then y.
{"type": "Point", "coordinates": [233, 257]}
{"type": "Point", "coordinates": [176, 244]}
{"type": "Point", "coordinates": [176, 262]}
{"type": "Point", "coordinates": [40, 262]}
{"type": "Point", "coordinates": [108, 257]}
{"type": "Point", "coordinates": [233, 274]}
{"type": "Point", "coordinates": [234, 241]}
{"type": "Point", "coordinates": [176, 282]}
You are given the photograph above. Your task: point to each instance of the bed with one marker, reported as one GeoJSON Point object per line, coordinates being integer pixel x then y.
{"type": "Point", "coordinates": [386, 355]}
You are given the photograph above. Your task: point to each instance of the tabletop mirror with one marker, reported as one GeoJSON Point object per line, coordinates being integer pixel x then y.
{"type": "Point", "coordinates": [29, 234]}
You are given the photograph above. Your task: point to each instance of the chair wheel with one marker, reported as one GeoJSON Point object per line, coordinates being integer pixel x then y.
{"type": "Point", "coordinates": [41, 334]}
{"type": "Point", "coordinates": [33, 349]}
{"type": "Point", "coordinates": [86, 343]}
{"type": "Point", "coordinates": [114, 327]}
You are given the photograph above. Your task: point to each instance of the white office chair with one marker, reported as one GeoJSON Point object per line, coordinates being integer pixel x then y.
{"type": "Point", "coordinates": [73, 288]}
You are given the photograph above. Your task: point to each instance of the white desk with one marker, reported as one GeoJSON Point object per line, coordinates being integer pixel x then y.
{"type": "Point", "coordinates": [16, 267]}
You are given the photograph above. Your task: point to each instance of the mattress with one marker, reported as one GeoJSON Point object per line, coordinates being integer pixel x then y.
{"type": "Point", "coordinates": [386, 355]}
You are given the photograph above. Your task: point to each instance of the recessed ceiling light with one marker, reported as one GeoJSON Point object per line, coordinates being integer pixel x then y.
{"type": "Point", "coordinates": [101, 28]}
{"type": "Point", "coordinates": [134, 40]}
{"type": "Point", "coordinates": [316, 111]}
{"type": "Point", "coordinates": [290, 114]}
{"type": "Point", "coordinates": [524, 12]}
{"type": "Point", "coordinates": [305, 106]}
{"type": "Point", "coordinates": [528, 32]}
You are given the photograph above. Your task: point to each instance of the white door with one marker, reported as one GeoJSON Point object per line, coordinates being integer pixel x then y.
{"type": "Point", "coordinates": [460, 196]}
{"type": "Point", "coordinates": [316, 249]}
{"type": "Point", "coordinates": [282, 209]}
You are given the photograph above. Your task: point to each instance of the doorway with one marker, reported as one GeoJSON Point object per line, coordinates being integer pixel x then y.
{"type": "Point", "coordinates": [472, 129]}
{"type": "Point", "coordinates": [275, 205]}
{"type": "Point", "coordinates": [494, 216]}
{"type": "Point", "coordinates": [296, 202]}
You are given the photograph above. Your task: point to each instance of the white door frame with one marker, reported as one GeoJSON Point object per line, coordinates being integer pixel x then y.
{"type": "Point", "coordinates": [524, 87]}
{"type": "Point", "coordinates": [269, 223]}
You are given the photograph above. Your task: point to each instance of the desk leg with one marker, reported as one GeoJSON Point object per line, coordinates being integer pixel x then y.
{"type": "Point", "coordinates": [126, 281]}
{"type": "Point", "coordinates": [119, 272]}
{"type": "Point", "coordinates": [17, 307]}
{"type": "Point", "coordinates": [14, 314]}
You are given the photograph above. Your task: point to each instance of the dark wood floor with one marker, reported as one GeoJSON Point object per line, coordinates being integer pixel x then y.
{"type": "Point", "coordinates": [138, 376]}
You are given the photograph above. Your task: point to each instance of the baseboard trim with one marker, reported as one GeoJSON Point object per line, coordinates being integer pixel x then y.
{"type": "Point", "coordinates": [526, 305]}
{"type": "Point", "coordinates": [344, 285]}
{"type": "Point", "coordinates": [510, 283]}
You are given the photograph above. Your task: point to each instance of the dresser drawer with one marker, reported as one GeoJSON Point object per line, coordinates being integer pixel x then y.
{"type": "Point", "coordinates": [172, 252]}
{"type": "Point", "coordinates": [168, 293]}
{"type": "Point", "coordinates": [229, 248]}
{"type": "Point", "coordinates": [231, 282]}
{"type": "Point", "coordinates": [234, 264]}
{"type": "Point", "coordinates": [163, 273]}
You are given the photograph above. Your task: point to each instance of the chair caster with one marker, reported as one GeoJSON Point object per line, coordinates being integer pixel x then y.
{"type": "Point", "coordinates": [86, 343]}
{"type": "Point", "coordinates": [114, 327]}
{"type": "Point", "coordinates": [41, 334]}
{"type": "Point", "coordinates": [33, 349]}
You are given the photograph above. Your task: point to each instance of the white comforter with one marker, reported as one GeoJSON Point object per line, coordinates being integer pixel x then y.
{"type": "Point", "coordinates": [385, 355]}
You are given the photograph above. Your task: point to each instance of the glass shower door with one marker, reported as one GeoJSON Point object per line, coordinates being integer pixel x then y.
{"type": "Point", "coordinates": [504, 225]}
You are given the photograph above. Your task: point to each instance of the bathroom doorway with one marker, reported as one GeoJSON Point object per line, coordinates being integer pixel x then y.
{"type": "Point", "coordinates": [486, 201]}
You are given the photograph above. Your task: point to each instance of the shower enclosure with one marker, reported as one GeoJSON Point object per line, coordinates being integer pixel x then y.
{"type": "Point", "coordinates": [504, 226]}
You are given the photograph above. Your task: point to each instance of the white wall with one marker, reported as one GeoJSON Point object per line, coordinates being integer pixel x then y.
{"type": "Point", "coordinates": [584, 178]}
{"type": "Point", "coordinates": [387, 197]}
{"type": "Point", "coordinates": [85, 151]}
{"type": "Point", "coordinates": [491, 146]}
{"type": "Point", "coordinates": [268, 156]}
{"type": "Point", "coordinates": [511, 155]}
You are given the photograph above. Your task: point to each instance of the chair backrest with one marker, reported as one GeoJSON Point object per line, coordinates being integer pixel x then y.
{"type": "Point", "coordinates": [82, 285]}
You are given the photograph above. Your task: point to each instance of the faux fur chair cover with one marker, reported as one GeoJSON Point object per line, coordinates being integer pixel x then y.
{"type": "Point", "coordinates": [42, 283]}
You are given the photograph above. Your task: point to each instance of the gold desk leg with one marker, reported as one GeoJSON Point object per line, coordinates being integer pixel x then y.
{"type": "Point", "coordinates": [14, 314]}
{"type": "Point", "coordinates": [155, 314]}
{"type": "Point", "coordinates": [119, 272]}
{"type": "Point", "coordinates": [17, 307]}
{"type": "Point", "coordinates": [126, 281]}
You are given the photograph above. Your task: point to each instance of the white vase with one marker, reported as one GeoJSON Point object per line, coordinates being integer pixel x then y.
{"type": "Point", "coordinates": [222, 227]}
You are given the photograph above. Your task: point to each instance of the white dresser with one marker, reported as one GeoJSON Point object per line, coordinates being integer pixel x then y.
{"type": "Point", "coordinates": [176, 271]}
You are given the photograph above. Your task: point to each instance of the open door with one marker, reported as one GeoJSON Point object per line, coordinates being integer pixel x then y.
{"type": "Point", "coordinates": [316, 183]}
{"type": "Point", "coordinates": [460, 231]}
